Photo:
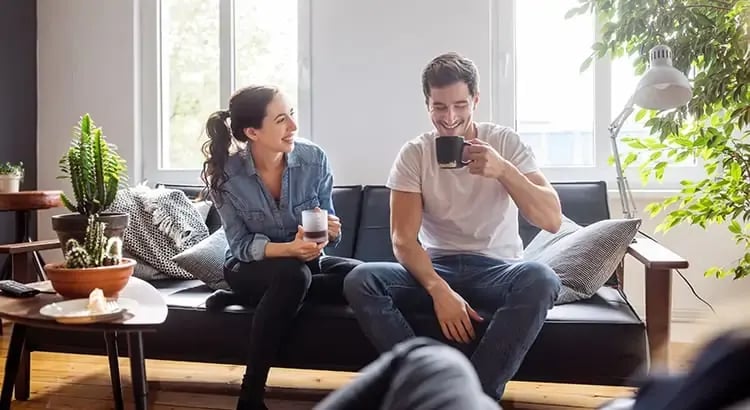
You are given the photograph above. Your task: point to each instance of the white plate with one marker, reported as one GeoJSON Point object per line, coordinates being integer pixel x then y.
{"type": "Point", "coordinates": [76, 310]}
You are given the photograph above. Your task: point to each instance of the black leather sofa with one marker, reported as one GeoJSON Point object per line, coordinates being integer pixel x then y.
{"type": "Point", "coordinates": [596, 341]}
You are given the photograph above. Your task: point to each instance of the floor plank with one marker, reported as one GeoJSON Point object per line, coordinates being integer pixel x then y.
{"type": "Point", "coordinates": [67, 381]}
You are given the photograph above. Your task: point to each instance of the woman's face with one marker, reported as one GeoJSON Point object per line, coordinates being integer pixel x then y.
{"type": "Point", "coordinates": [276, 133]}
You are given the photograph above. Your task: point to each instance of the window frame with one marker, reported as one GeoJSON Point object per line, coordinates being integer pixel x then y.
{"type": "Point", "coordinates": [152, 142]}
{"type": "Point", "coordinates": [501, 89]}
{"type": "Point", "coordinates": [503, 111]}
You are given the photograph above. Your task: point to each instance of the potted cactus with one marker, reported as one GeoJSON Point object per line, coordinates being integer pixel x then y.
{"type": "Point", "coordinates": [96, 262]}
{"type": "Point", "coordinates": [10, 177]}
{"type": "Point", "coordinates": [96, 171]}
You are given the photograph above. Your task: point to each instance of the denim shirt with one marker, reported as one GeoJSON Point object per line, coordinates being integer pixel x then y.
{"type": "Point", "coordinates": [250, 215]}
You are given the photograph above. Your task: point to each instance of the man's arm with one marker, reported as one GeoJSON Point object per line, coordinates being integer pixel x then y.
{"type": "Point", "coordinates": [536, 198]}
{"type": "Point", "coordinates": [406, 218]}
{"type": "Point", "coordinates": [451, 309]}
{"type": "Point", "coordinates": [533, 194]}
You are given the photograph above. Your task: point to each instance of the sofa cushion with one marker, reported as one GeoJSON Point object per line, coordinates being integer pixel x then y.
{"type": "Point", "coordinates": [205, 260]}
{"type": "Point", "coordinates": [601, 335]}
{"type": "Point", "coordinates": [374, 233]}
{"type": "Point", "coordinates": [346, 202]}
{"type": "Point", "coordinates": [583, 202]}
{"type": "Point", "coordinates": [583, 257]}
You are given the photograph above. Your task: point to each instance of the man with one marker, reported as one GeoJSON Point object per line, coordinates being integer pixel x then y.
{"type": "Point", "coordinates": [466, 219]}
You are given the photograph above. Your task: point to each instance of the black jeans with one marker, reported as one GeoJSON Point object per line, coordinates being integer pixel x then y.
{"type": "Point", "coordinates": [277, 287]}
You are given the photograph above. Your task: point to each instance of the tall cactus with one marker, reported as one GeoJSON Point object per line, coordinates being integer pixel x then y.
{"type": "Point", "coordinates": [94, 168]}
{"type": "Point", "coordinates": [96, 250]}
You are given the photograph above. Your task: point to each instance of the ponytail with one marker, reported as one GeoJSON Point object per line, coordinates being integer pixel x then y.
{"type": "Point", "coordinates": [247, 108]}
{"type": "Point", "coordinates": [216, 151]}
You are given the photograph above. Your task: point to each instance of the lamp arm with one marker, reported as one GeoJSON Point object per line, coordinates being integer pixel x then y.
{"type": "Point", "coordinates": [626, 197]}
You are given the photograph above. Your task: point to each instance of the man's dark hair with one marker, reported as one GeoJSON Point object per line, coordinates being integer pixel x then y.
{"type": "Point", "coordinates": [448, 69]}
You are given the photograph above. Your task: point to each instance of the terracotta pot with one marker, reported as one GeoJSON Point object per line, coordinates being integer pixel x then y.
{"type": "Point", "coordinates": [74, 283]}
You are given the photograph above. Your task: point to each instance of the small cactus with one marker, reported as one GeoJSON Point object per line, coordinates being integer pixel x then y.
{"type": "Point", "coordinates": [96, 250]}
{"type": "Point", "coordinates": [113, 256]}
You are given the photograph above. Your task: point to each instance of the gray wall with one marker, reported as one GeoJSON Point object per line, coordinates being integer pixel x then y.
{"type": "Point", "coordinates": [18, 95]}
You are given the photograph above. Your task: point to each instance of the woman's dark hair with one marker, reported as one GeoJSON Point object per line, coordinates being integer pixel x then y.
{"type": "Point", "coordinates": [247, 108]}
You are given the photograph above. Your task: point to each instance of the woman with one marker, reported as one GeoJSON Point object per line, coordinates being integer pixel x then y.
{"type": "Point", "coordinates": [261, 179]}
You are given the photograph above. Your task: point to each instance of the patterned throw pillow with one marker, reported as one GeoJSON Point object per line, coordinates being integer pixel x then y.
{"type": "Point", "coordinates": [163, 223]}
{"type": "Point", "coordinates": [205, 260]}
{"type": "Point", "coordinates": [583, 257]}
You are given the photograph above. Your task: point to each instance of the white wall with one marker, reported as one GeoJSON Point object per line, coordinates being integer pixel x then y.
{"type": "Point", "coordinates": [362, 123]}
{"type": "Point", "coordinates": [88, 63]}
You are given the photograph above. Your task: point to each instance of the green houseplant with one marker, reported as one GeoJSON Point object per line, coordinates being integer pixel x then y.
{"type": "Point", "coordinates": [11, 176]}
{"type": "Point", "coordinates": [709, 40]}
{"type": "Point", "coordinates": [96, 171]}
{"type": "Point", "coordinates": [95, 263]}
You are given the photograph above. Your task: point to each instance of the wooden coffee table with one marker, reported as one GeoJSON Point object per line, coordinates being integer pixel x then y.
{"type": "Point", "coordinates": [151, 312]}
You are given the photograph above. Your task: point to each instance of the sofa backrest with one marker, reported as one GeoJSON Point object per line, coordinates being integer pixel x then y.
{"type": "Point", "coordinates": [365, 215]}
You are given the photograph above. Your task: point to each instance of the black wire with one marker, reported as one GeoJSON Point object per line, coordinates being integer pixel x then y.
{"type": "Point", "coordinates": [687, 282]}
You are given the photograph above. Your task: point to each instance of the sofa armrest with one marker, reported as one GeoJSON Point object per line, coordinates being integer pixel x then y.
{"type": "Point", "coordinates": [655, 255]}
{"type": "Point", "coordinates": [658, 262]}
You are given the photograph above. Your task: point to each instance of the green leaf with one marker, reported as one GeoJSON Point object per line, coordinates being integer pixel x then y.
{"type": "Point", "coordinates": [735, 228]}
{"type": "Point", "coordinates": [586, 63]}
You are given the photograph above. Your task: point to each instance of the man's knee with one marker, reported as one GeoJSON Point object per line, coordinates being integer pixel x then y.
{"type": "Point", "coordinates": [540, 280]}
{"type": "Point", "coordinates": [359, 281]}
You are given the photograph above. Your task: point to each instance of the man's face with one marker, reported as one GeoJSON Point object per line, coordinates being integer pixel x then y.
{"type": "Point", "coordinates": [452, 108]}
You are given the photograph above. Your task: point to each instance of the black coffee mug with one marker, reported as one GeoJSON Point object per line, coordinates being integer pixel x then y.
{"type": "Point", "coordinates": [450, 152]}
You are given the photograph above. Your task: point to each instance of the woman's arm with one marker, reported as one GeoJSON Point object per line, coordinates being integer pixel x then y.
{"type": "Point", "coordinates": [247, 246]}
{"type": "Point", "coordinates": [325, 196]}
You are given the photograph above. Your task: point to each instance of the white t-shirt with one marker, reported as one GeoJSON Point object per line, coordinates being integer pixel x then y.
{"type": "Point", "coordinates": [464, 213]}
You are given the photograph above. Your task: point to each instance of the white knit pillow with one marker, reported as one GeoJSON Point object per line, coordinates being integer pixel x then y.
{"type": "Point", "coordinates": [584, 257]}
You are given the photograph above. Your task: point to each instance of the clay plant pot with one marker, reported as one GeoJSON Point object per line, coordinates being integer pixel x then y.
{"type": "Point", "coordinates": [73, 225]}
{"type": "Point", "coordinates": [74, 283]}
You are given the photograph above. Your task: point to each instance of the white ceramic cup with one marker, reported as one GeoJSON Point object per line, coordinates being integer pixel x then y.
{"type": "Point", "coordinates": [315, 225]}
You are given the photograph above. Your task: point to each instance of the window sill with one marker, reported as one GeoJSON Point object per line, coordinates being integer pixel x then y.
{"type": "Point", "coordinates": [645, 194]}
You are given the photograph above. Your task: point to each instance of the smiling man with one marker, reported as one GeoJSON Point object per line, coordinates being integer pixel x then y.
{"type": "Point", "coordinates": [455, 236]}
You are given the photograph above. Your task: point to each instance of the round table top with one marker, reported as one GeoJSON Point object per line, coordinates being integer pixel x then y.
{"type": "Point", "coordinates": [151, 310]}
{"type": "Point", "coordinates": [29, 200]}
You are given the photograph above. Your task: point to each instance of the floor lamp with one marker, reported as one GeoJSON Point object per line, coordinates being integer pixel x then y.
{"type": "Point", "coordinates": [661, 87]}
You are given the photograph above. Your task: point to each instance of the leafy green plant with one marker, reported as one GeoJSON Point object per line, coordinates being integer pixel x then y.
{"type": "Point", "coordinates": [709, 40]}
{"type": "Point", "coordinates": [11, 169]}
{"type": "Point", "coordinates": [96, 250]}
{"type": "Point", "coordinates": [94, 168]}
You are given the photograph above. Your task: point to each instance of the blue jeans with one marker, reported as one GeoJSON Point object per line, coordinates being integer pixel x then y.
{"type": "Point", "coordinates": [513, 298]}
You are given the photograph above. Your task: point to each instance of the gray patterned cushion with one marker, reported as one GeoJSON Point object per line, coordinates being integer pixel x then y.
{"type": "Point", "coordinates": [205, 260]}
{"type": "Point", "coordinates": [583, 257]}
{"type": "Point", "coordinates": [163, 223]}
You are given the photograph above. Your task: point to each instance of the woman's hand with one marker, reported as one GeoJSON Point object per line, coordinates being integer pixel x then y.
{"type": "Point", "coordinates": [334, 227]}
{"type": "Point", "coordinates": [305, 250]}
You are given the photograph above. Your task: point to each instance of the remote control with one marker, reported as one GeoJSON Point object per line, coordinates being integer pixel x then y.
{"type": "Point", "coordinates": [17, 289]}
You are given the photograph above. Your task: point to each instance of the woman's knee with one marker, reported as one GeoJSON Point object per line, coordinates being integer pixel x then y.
{"type": "Point", "coordinates": [293, 272]}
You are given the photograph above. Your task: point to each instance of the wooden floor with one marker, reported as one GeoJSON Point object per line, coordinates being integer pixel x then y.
{"type": "Point", "coordinates": [65, 381]}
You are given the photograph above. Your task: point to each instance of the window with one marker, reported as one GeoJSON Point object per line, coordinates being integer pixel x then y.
{"type": "Point", "coordinates": [195, 54]}
{"type": "Point", "coordinates": [561, 112]}
{"type": "Point", "coordinates": [555, 101]}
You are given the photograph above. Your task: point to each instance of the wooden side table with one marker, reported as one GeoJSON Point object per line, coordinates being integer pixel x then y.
{"type": "Point", "coordinates": [24, 313]}
{"type": "Point", "coordinates": [24, 203]}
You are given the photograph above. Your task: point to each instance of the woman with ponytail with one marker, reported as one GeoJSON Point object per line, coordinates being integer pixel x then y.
{"type": "Point", "coordinates": [260, 178]}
